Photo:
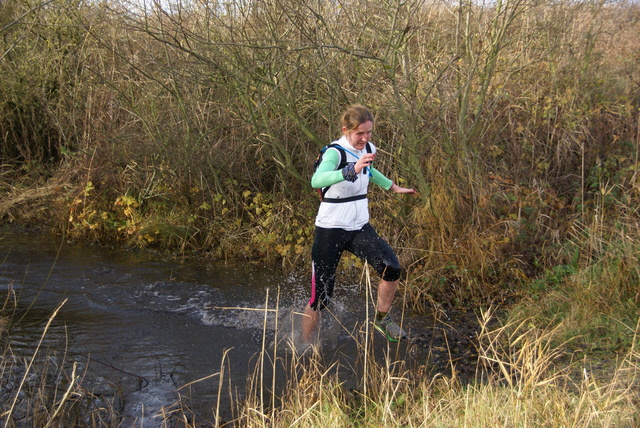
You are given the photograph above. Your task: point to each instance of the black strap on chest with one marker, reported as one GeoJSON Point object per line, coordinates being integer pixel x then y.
{"type": "Point", "coordinates": [341, 200]}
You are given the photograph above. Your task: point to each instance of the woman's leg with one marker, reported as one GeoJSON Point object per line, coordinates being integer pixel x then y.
{"type": "Point", "coordinates": [386, 292]}
{"type": "Point", "coordinates": [375, 250]}
{"type": "Point", "coordinates": [369, 246]}
{"type": "Point", "coordinates": [310, 321]}
{"type": "Point", "coordinates": [325, 253]}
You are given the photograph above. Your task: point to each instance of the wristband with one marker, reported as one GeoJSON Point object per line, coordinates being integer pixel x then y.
{"type": "Point", "coordinates": [349, 172]}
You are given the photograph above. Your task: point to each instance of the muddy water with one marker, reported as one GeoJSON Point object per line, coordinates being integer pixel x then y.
{"type": "Point", "coordinates": [145, 330]}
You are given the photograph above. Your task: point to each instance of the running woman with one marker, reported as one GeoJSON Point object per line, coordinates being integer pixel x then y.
{"type": "Point", "coordinates": [342, 223]}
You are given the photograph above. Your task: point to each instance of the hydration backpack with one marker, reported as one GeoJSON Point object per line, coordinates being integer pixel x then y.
{"type": "Point", "coordinates": [343, 161]}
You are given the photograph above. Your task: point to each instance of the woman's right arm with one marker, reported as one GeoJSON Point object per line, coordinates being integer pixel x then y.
{"type": "Point", "coordinates": [326, 174]}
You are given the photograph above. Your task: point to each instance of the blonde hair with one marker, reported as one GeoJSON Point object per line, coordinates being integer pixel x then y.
{"type": "Point", "coordinates": [355, 116]}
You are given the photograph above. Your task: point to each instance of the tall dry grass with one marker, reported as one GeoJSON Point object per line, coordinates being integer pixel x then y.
{"type": "Point", "coordinates": [524, 376]}
{"type": "Point", "coordinates": [523, 380]}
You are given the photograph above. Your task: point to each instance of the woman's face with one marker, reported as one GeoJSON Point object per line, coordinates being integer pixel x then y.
{"type": "Point", "coordinates": [360, 136]}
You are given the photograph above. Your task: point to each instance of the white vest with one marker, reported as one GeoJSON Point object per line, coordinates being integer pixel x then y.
{"type": "Point", "coordinates": [346, 215]}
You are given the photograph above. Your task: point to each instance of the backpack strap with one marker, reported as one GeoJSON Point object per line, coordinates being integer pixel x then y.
{"type": "Point", "coordinates": [343, 155]}
{"type": "Point", "coordinates": [369, 150]}
{"type": "Point", "coordinates": [340, 200]}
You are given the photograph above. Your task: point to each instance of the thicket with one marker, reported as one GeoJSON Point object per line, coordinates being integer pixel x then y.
{"type": "Point", "coordinates": [193, 125]}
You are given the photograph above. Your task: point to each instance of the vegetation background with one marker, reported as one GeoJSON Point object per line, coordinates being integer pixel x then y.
{"type": "Point", "coordinates": [192, 126]}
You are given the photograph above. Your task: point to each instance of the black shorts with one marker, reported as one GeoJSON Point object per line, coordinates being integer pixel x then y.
{"type": "Point", "coordinates": [327, 250]}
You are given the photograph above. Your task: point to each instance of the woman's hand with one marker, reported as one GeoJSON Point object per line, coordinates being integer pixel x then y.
{"type": "Point", "coordinates": [364, 161]}
{"type": "Point", "coordinates": [397, 189]}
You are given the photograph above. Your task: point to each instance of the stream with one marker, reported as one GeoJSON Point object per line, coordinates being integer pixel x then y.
{"type": "Point", "coordinates": [146, 330]}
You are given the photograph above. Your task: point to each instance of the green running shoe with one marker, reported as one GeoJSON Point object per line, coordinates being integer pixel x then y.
{"type": "Point", "coordinates": [392, 331]}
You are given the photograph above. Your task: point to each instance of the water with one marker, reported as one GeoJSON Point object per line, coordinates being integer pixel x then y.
{"type": "Point", "coordinates": [146, 330]}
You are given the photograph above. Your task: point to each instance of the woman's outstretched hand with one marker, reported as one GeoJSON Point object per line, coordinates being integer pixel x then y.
{"type": "Point", "coordinates": [404, 190]}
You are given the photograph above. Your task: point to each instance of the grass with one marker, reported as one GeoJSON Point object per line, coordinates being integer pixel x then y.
{"type": "Point", "coordinates": [522, 381]}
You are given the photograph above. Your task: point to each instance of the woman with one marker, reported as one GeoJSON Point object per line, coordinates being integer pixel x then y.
{"type": "Point", "coordinates": [342, 222]}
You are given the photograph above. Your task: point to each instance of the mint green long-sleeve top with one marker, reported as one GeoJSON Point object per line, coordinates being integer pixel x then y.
{"type": "Point", "coordinates": [351, 215]}
{"type": "Point", "coordinates": [326, 174]}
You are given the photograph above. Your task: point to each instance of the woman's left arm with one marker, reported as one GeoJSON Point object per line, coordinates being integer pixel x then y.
{"type": "Point", "coordinates": [404, 190]}
{"type": "Point", "coordinates": [378, 178]}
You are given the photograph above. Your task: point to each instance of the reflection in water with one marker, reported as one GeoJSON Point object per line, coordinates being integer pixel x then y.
{"type": "Point", "coordinates": [144, 326]}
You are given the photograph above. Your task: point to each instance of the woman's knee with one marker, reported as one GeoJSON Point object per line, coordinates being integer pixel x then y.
{"type": "Point", "coordinates": [392, 271]}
